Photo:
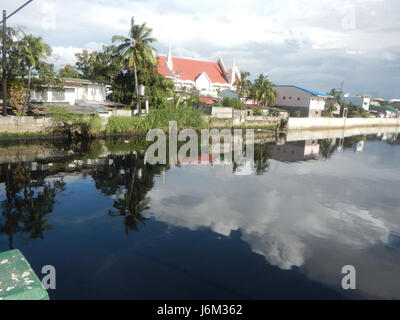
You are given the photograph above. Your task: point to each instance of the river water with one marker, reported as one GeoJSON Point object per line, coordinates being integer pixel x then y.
{"type": "Point", "coordinates": [114, 227]}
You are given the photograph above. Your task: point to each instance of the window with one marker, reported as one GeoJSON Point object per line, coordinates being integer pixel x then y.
{"type": "Point", "coordinates": [284, 98]}
{"type": "Point", "coordinates": [290, 98]}
{"type": "Point", "coordinates": [58, 95]}
{"type": "Point", "coordinates": [298, 99]}
{"type": "Point", "coordinates": [39, 95]}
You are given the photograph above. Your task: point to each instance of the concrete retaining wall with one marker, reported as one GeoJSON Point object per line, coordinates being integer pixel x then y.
{"type": "Point", "coordinates": [221, 112]}
{"type": "Point", "coordinates": [13, 124]}
{"type": "Point", "coordinates": [298, 135]}
{"type": "Point", "coordinates": [226, 117]}
{"type": "Point", "coordinates": [339, 123]}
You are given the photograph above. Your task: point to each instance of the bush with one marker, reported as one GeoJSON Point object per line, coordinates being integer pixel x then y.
{"type": "Point", "coordinates": [119, 124]}
{"type": "Point", "coordinates": [232, 103]}
{"type": "Point", "coordinates": [356, 111]}
{"type": "Point", "coordinates": [185, 116]}
{"type": "Point", "coordinates": [87, 125]}
{"type": "Point", "coordinates": [257, 112]}
{"type": "Point", "coordinates": [284, 123]}
{"type": "Point", "coordinates": [273, 112]}
{"type": "Point", "coordinates": [297, 114]}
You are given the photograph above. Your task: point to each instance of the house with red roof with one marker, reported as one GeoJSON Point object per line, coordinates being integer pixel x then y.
{"type": "Point", "coordinates": [204, 76]}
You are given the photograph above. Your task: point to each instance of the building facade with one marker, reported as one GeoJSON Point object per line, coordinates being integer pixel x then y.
{"type": "Point", "coordinates": [73, 90]}
{"type": "Point", "coordinates": [300, 101]}
{"type": "Point", "coordinates": [207, 77]}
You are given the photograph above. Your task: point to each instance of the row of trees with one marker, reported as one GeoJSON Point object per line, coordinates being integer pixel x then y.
{"type": "Point", "coordinates": [260, 91]}
{"type": "Point", "coordinates": [27, 67]}
{"type": "Point", "coordinates": [353, 110]}
{"type": "Point", "coordinates": [126, 63]}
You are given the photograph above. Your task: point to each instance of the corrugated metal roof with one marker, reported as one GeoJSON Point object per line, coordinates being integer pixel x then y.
{"type": "Point", "coordinates": [314, 93]}
{"type": "Point", "coordinates": [386, 108]}
{"type": "Point", "coordinates": [229, 94]}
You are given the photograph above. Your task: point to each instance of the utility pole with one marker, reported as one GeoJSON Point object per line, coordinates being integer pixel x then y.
{"type": "Point", "coordinates": [4, 78]}
{"type": "Point", "coordinates": [4, 53]}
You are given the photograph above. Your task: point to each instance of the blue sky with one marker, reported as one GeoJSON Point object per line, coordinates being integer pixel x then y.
{"type": "Point", "coordinates": [316, 44]}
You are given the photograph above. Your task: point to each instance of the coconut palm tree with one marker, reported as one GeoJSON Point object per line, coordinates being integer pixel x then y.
{"type": "Point", "coordinates": [243, 85]}
{"type": "Point", "coordinates": [33, 49]}
{"type": "Point", "coordinates": [137, 50]}
{"type": "Point", "coordinates": [263, 92]}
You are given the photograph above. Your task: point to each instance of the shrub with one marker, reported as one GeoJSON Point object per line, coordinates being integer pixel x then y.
{"type": "Point", "coordinates": [119, 124]}
{"type": "Point", "coordinates": [86, 124]}
{"type": "Point", "coordinates": [273, 112]}
{"type": "Point", "coordinates": [232, 103]}
{"type": "Point", "coordinates": [257, 112]}
{"type": "Point", "coordinates": [185, 116]}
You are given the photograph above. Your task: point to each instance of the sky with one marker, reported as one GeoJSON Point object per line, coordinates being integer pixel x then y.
{"type": "Point", "coordinates": [336, 225]}
{"type": "Point", "coordinates": [317, 44]}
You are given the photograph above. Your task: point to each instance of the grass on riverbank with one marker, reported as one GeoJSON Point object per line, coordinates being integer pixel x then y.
{"type": "Point", "coordinates": [186, 117]}
{"type": "Point", "coordinates": [91, 126]}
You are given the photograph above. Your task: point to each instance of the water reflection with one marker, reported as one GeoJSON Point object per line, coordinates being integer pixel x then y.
{"type": "Point", "coordinates": [308, 204]}
{"type": "Point", "coordinates": [29, 198]}
{"type": "Point", "coordinates": [128, 180]}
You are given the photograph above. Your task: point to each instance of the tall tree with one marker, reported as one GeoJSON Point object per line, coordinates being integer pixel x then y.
{"type": "Point", "coordinates": [262, 91]}
{"type": "Point", "coordinates": [137, 49]}
{"type": "Point", "coordinates": [243, 85]}
{"type": "Point", "coordinates": [68, 71]}
{"type": "Point", "coordinates": [34, 50]}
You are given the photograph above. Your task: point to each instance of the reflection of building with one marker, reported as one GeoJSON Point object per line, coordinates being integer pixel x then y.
{"type": "Point", "coordinates": [296, 151]}
{"type": "Point", "coordinates": [205, 76]}
{"type": "Point", "coordinates": [359, 146]}
{"type": "Point", "coordinates": [74, 89]}
{"type": "Point", "coordinates": [294, 99]}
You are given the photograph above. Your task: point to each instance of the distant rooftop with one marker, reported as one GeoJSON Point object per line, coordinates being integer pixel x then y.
{"type": "Point", "coordinates": [314, 93]}
{"type": "Point", "coordinates": [78, 80]}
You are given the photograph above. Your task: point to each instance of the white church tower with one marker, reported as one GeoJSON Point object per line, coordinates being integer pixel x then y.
{"type": "Point", "coordinates": [169, 63]}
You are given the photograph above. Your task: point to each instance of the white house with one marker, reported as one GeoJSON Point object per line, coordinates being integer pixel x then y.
{"type": "Point", "coordinates": [74, 89]}
{"type": "Point", "coordinates": [204, 76]}
{"type": "Point", "coordinates": [293, 98]}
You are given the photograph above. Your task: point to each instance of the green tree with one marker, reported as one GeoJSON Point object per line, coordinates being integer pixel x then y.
{"type": "Point", "coordinates": [29, 198]}
{"type": "Point", "coordinates": [68, 71]}
{"type": "Point", "coordinates": [336, 99]}
{"type": "Point", "coordinates": [262, 91]}
{"type": "Point", "coordinates": [232, 103]}
{"type": "Point", "coordinates": [137, 50]}
{"type": "Point", "coordinates": [34, 49]}
{"type": "Point", "coordinates": [243, 85]}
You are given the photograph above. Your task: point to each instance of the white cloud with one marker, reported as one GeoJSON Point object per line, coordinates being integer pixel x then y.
{"type": "Point", "coordinates": [206, 29]}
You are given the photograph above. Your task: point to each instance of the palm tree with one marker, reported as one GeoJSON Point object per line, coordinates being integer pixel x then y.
{"type": "Point", "coordinates": [137, 49]}
{"type": "Point", "coordinates": [243, 85]}
{"type": "Point", "coordinates": [33, 49]}
{"type": "Point", "coordinates": [263, 92]}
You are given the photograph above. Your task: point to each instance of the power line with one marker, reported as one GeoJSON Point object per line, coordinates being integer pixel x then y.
{"type": "Point", "coordinates": [11, 14]}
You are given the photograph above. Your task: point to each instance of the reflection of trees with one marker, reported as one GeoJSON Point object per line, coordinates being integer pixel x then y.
{"type": "Point", "coordinates": [350, 142]}
{"type": "Point", "coordinates": [327, 148]}
{"type": "Point", "coordinates": [262, 156]}
{"type": "Point", "coordinates": [129, 180]}
{"type": "Point", "coordinates": [29, 199]}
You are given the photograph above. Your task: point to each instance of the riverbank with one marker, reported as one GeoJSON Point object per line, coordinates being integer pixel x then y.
{"type": "Point", "coordinates": [30, 128]}
{"type": "Point", "coordinates": [340, 123]}
{"type": "Point", "coordinates": [14, 128]}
